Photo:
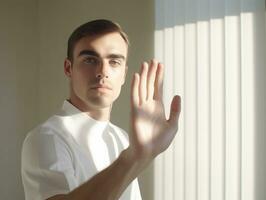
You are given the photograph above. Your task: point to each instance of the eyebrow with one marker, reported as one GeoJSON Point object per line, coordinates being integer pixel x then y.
{"type": "Point", "coordinates": [89, 53]}
{"type": "Point", "coordinates": [94, 53]}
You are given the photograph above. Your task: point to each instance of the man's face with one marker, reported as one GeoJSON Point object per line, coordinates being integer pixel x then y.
{"type": "Point", "coordinates": [98, 69]}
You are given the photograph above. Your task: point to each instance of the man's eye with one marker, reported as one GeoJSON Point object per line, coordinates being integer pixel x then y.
{"type": "Point", "coordinates": [115, 63]}
{"type": "Point", "coordinates": [91, 61]}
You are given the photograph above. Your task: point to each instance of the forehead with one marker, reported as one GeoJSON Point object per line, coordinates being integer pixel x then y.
{"type": "Point", "coordinates": [104, 44]}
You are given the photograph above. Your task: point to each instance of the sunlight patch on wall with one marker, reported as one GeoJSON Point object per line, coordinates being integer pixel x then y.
{"type": "Point", "coordinates": [210, 64]}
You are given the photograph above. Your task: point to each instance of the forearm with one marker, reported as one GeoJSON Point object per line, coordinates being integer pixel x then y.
{"type": "Point", "coordinates": [110, 183]}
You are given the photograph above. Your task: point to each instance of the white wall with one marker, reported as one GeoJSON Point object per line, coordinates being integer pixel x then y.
{"type": "Point", "coordinates": [33, 41]}
{"type": "Point", "coordinates": [18, 91]}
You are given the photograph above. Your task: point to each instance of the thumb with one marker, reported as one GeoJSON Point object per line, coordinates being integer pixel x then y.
{"type": "Point", "coordinates": [175, 110]}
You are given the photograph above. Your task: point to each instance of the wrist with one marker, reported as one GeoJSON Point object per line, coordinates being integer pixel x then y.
{"type": "Point", "coordinates": [134, 159]}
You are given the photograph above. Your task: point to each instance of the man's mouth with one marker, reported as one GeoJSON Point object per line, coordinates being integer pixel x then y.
{"type": "Point", "coordinates": [101, 87]}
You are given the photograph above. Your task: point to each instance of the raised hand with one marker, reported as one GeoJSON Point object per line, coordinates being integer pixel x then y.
{"type": "Point", "coordinates": [151, 133]}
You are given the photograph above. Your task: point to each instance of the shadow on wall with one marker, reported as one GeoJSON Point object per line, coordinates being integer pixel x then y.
{"type": "Point", "coordinates": [186, 12]}
{"type": "Point", "coordinates": [260, 111]}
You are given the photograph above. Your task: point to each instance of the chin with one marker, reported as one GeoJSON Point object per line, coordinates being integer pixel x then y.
{"type": "Point", "coordinates": [100, 102]}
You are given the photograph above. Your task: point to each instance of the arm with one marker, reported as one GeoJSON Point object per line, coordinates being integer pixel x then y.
{"type": "Point", "coordinates": [109, 183]}
{"type": "Point", "coordinates": [150, 135]}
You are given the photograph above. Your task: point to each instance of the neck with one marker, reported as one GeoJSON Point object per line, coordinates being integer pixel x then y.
{"type": "Point", "coordinates": [96, 112]}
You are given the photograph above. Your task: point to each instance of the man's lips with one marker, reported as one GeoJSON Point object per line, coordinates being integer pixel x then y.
{"type": "Point", "coordinates": [99, 86]}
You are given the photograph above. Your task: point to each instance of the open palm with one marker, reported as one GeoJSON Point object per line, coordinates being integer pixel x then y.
{"type": "Point", "coordinates": [151, 132]}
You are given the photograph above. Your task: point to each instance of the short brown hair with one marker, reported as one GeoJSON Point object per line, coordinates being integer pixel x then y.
{"type": "Point", "coordinates": [93, 28]}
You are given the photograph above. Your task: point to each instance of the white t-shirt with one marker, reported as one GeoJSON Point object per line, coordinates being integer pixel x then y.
{"type": "Point", "coordinates": [67, 150]}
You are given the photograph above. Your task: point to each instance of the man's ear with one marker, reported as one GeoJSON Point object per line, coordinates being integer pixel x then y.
{"type": "Point", "coordinates": [125, 75]}
{"type": "Point", "coordinates": [68, 68]}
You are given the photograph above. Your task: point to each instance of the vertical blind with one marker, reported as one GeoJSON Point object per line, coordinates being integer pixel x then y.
{"type": "Point", "coordinates": [210, 52]}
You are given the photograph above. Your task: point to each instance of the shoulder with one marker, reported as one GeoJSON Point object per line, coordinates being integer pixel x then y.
{"type": "Point", "coordinates": [46, 137]}
{"type": "Point", "coordinates": [121, 133]}
{"type": "Point", "coordinates": [118, 129]}
{"type": "Point", "coordinates": [53, 126]}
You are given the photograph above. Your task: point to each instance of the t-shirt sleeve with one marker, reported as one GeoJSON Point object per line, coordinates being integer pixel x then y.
{"type": "Point", "coordinates": [47, 167]}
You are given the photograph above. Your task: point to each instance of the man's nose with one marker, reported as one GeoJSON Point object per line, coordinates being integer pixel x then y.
{"type": "Point", "coordinates": [102, 70]}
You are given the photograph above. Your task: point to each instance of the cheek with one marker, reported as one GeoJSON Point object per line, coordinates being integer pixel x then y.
{"type": "Point", "coordinates": [80, 81]}
{"type": "Point", "coordinates": [83, 74]}
{"type": "Point", "coordinates": [120, 77]}
{"type": "Point", "coordinates": [116, 93]}
{"type": "Point", "coordinates": [118, 83]}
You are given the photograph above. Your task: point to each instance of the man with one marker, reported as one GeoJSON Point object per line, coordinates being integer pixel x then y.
{"type": "Point", "coordinates": [78, 153]}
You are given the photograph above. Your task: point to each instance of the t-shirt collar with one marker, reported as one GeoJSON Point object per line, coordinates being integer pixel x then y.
{"type": "Point", "coordinates": [70, 109]}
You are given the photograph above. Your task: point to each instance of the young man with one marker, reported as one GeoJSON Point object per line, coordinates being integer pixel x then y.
{"type": "Point", "coordinates": [78, 154]}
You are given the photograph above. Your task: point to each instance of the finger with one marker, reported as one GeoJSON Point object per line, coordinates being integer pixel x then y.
{"type": "Point", "coordinates": [143, 83]}
{"type": "Point", "coordinates": [151, 79]}
{"type": "Point", "coordinates": [135, 90]}
{"type": "Point", "coordinates": [175, 110]}
{"type": "Point", "coordinates": [158, 91]}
